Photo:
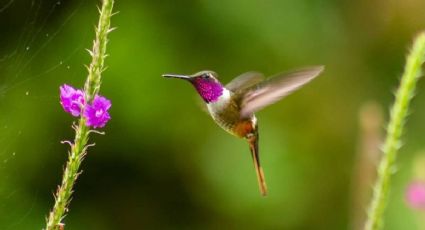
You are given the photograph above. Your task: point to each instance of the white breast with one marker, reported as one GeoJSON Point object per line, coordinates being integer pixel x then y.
{"type": "Point", "coordinates": [221, 102]}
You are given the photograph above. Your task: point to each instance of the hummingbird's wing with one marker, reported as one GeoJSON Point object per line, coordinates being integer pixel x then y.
{"type": "Point", "coordinates": [274, 88]}
{"type": "Point", "coordinates": [244, 81]}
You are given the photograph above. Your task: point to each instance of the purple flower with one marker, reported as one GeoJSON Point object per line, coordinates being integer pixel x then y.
{"type": "Point", "coordinates": [97, 113]}
{"type": "Point", "coordinates": [72, 100]}
{"type": "Point", "coordinates": [415, 195]}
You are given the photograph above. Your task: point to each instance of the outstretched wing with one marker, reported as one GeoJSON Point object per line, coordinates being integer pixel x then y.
{"type": "Point", "coordinates": [276, 87]}
{"type": "Point", "coordinates": [244, 81]}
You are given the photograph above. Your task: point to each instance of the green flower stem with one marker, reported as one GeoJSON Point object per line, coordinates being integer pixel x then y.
{"type": "Point", "coordinates": [98, 52]}
{"type": "Point", "coordinates": [398, 113]}
{"type": "Point", "coordinates": [79, 147]}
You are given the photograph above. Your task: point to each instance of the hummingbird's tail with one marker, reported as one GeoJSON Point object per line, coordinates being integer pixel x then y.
{"type": "Point", "coordinates": [253, 146]}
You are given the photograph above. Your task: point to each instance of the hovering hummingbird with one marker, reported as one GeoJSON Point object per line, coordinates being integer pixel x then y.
{"type": "Point", "coordinates": [233, 106]}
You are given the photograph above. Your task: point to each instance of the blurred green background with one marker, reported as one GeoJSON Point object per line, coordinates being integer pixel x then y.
{"type": "Point", "coordinates": [163, 163]}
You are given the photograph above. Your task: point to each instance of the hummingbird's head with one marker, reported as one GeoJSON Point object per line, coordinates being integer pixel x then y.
{"type": "Point", "coordinates": [205, 82]}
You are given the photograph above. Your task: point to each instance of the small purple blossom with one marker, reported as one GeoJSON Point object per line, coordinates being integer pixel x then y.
{"type": "Point", "coordinates": [72, 100]}
{"type": "Point", "coordinates": [415, 195]}
{"type": "Point", "coordinates": [97, 113]}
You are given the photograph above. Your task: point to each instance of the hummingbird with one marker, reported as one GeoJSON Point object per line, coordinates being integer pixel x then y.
{"type": "Point", "coordinates": [232, 106]}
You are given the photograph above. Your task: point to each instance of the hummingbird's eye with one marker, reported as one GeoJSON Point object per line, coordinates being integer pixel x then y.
{"type": "Point", "coordinates": [206, 76]}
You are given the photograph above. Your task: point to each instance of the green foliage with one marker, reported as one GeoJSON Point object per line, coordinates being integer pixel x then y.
{"type": "Point", "coordinates": [398, 114]}
{"type": "Point", "coordinates": [79, 146]}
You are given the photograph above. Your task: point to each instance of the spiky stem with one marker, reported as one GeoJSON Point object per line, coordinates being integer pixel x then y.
{"type": "Point", "coordinates": [398, 113]}
{"type": "Point", "coordinates": [79, 147]}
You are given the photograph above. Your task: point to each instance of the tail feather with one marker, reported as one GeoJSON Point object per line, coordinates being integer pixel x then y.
{"type": "Point", "coordinates": [253, 146]}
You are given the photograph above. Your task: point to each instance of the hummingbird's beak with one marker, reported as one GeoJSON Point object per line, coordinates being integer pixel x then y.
{"type": "Point", "coordinates": [177, 76]}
